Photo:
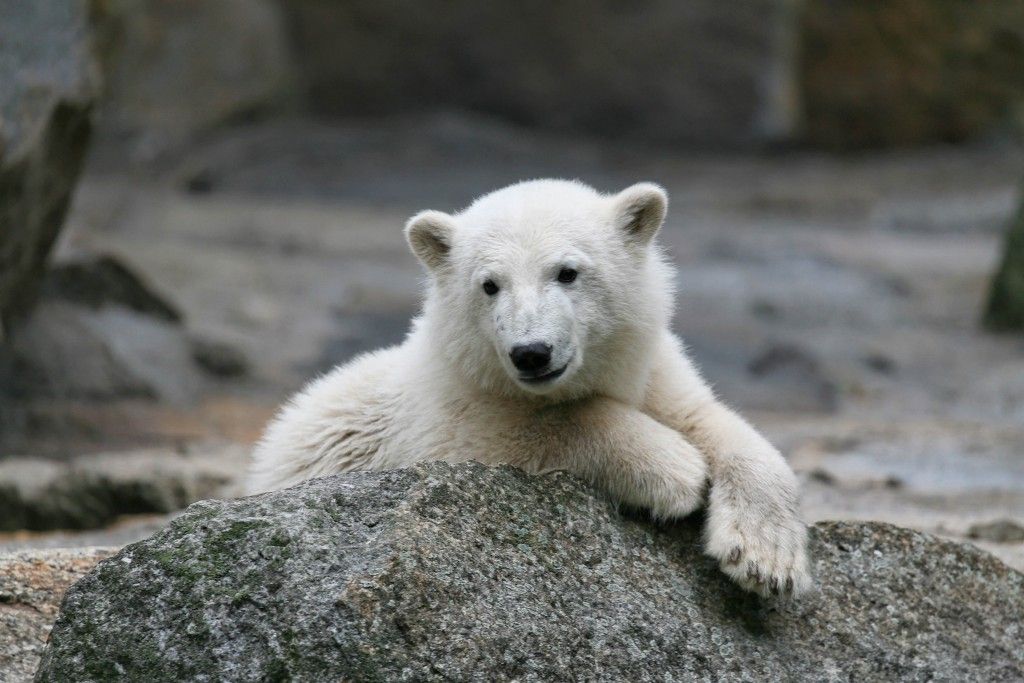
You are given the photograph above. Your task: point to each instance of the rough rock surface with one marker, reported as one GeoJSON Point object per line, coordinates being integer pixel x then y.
{"type": "Point", "coordinates": [48, 82]}
{"type": "Point", "coordinates": [470, 573]}
{"type": "Point", "coordinates": [32, 584]}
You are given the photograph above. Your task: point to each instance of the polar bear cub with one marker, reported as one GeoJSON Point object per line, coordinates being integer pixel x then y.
{"type": "Point", "coordinates": [544, 343]}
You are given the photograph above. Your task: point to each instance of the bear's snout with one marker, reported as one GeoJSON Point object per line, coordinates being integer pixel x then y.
{"type": "Point", "coordinates": [531, 357]}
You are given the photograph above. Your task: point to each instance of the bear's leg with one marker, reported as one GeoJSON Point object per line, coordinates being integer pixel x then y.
{"type": "Point", "coordinates": [753, 528]}
{"type": "Point", "coordinates": [631, 456]}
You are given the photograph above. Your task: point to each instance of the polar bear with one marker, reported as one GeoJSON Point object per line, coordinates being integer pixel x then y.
{"type": "Point", "coordinates": [544, 343]}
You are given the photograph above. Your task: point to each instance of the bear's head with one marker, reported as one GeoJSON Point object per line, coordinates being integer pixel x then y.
{"type": "Point", "coordinates": [547, 288]}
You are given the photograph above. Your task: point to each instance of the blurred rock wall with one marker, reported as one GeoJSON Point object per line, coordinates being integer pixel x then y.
{"type": "Point", "coordinates": [905, 72]}
{"type": "Point", "coordinates": [700, 72]}
{"type": "Point", "coordinates": [835, 74]}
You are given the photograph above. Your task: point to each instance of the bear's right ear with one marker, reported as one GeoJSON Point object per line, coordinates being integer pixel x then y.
{"type": "Point", "coordinates": [430, 236]}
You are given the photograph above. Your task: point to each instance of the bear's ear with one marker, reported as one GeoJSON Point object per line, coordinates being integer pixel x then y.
{"type": "Point", "coordinates": [640, 211]}
{"type": "Point", "coordinates": [430, 236]}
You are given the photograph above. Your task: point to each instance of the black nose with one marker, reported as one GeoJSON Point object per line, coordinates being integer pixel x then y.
{"type": "Point", "coordinates": [531, 357]}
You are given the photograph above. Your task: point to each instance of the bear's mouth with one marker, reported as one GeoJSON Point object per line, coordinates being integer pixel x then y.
{"type": "Point", "coordinates": [546, 377]}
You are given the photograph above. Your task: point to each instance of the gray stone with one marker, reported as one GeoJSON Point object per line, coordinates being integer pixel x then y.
{"type": "Point", "coordinates": [464, 572]}
{"type": "Point", "coordinates": [48, 82]}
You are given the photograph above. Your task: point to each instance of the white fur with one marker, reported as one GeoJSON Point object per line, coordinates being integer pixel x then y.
{"type": "Point", "coordinates": [630, 412]}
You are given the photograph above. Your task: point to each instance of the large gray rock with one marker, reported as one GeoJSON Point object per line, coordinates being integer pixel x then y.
{"type": "Point", "coordinates": [470, 573]}
{"type": "Point", "coordinates": [48, 82]}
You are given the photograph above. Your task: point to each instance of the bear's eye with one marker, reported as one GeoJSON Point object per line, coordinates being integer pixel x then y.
{"type": "Point", "coordinates": [567, 275]}
{"type": "Point", "coordinates": [490, 289]}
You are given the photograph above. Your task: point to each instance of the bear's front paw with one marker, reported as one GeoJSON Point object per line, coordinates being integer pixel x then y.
{"type": "Point", "coordinates": [761, 545]}
{"type": "Point", "coordinates": [678, 487]}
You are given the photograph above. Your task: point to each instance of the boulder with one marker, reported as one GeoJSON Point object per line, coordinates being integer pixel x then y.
{"type": "Point", "coordinates": [464, 572]}
{"type": "Point", "coordinates": [32, 584]}
{"type": "Point", "coordinates": [48, 83]}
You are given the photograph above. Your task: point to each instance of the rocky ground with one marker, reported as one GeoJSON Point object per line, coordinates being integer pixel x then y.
{"type": "Point", "coordinates": [834, 300]}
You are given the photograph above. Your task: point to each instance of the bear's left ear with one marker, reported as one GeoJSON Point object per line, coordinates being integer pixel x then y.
{"type": "Point", "coordinates": [640, 211]}
{"type": "Point", "coordinates": [429, 234]}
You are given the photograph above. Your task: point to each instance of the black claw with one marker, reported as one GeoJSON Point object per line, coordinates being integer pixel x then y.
{"type": "Point", "coordinates": [734, 555]}
{"type": "Point", "coordinates": [789, 584]}
{"type": "Point", "coordinates": [774, 586]}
